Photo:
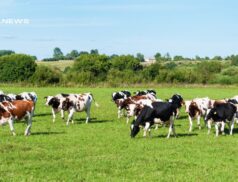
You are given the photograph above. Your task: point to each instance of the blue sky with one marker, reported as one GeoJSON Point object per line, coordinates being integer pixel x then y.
{"type": "Point", "coordinates": [180, 27]}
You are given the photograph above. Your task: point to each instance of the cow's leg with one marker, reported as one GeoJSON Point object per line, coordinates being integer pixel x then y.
{"type": "Point", "coordinates": [156, 126]}
{"type": "Point", "coordinates": [29, 124]}
{"type": "Point", "coordinates": [223, 128]}
{"type": "Point", "coordinates": [217, 128]}
{"type": "Point", "coordinates": [10, 122]}
{"type": "Point", "coordinates": [71, 113]}
{"type": "Point", "coordinates": [171, 123]}
{"type": "Point", "coordinates": [88, 114]}
{"type": "Point", "coordinates": [198, 122]}
{"type": "Point", "coordinates": [127, 119]}
{"type": "Point", "coordinates": [53, 114]}
{"type": "Point", "coordinates": [119, 112]}
{"type": "Point", "coordinates": [147, 127]}
{"type": "Point", "coordinates": [190, 123]}
{"type": "Point", "coordinates": [232, 125]}
{"type": "Point", "coordinates": [62, 113]}
{"type": "Point", "coordinates": [209, 123]}
{"type": "Point", "coordinates": [178, 112]}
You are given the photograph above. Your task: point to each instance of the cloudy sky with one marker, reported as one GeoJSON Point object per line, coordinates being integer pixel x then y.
{"type": "Point", "coordinates": [184, 27]}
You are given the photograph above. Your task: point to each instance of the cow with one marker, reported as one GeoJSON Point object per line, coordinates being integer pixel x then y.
{"type": "Point", "coordinates": [27, 96]}
{"type": "Point", "coordinates": [134, 104]}
{"type": "Point", "coordinates": [160, 112]}
{"type": "Point", "coordinates": [17, 110]}
{"type": "Point", "coordinates": [197, 108]}
{"type": "Point", "coordinates": [78, 103]}
{"type": "Point", "coordinates": [55, 102]}
{"type": "Point", "coordinates": [4, 97]}
{"type": "Point", "coordinates": [149, 93]}
{"type": "Point", "coordinates": [118, 98]}
{"type": "Point", "coordinates": [221, 114]}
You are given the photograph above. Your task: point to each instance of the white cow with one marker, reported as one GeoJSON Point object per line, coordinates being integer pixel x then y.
{"type": "Point", "coordinates": [77, 103]}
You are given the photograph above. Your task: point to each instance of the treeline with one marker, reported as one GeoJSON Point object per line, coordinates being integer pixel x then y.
{"type": "Point", "coordinates": [94, 68]}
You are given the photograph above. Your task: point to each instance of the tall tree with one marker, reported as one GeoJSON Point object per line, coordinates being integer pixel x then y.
{"type": "Point", "coordinates": [140, 57]}
{"type": "Point", "coordinates": [58, 54]}
{"type": "Point", "coordinates": [158, 56]}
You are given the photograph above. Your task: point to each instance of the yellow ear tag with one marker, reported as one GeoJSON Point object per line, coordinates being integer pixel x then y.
{"type": "Point", "coordinates": [215, 112]}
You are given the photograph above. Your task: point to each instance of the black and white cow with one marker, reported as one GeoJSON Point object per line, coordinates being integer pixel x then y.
{"type": "Point", "coordinates": [150, 93]}
{"type": "Point", "coordinates": [221, 114]}
{"type": "Point", "coordinates": [144, 92]}
{"type": "Point", "coordinates": [78, 103]}
{"type": "Point", "coordinates": [159, 113]}
{"type": "Point", "coordinates": [56, 104]}
{"type": "Point", "coordinates": [118, 98]}
{"type": "Point", "coordinates": [27, 96]}
{"type": "Point", "coordinates": [4, 97]}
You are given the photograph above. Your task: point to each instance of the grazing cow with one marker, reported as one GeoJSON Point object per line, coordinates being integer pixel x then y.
{"type": "Point", "coordinates": [221, 114]}
{"type": "Point", "coordinates": [78, 103]}
{"type": "Point", "coordinates": [197, 108]}
{"type": "Point", "coordinates": [12, 96]}
{"type": "Point", "coordinates": [160, 112]}
{"type": "Point", "coordinates": [55, 102]}
{"type": "Point", "coordinates": [17, 110]}
{"type": "Point", "coordinates": [27, 96]}
{"type": "Point", "coordinates": [149, 93]}
{"type": "Point", "coordinates": [4, 97]}
{"type": "Point", "coordinates": [145, 92]}
{"type": "Point", "coordinates": [134, 104]}
{"type": "Point", "coordinates": [118, 98]}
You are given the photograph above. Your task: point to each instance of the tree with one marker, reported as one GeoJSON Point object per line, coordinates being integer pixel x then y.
{"type": "Point", "coordinates": [140, 57]}
{"type": "Point", "coordinates": [234, 60]}
{"type": "Point", "coordinates": [158, 56]}
{"type": "Point", "coordinates": [178, 58]}
{"type": "Point", "coordinates": [6, 52]}
{"type": "Point", "coordinates": [167, 57]}
{"type": "Point", "coordinates": [16, 67]}
{"type": "Point", "coordinates": [58, 54]}
{"type": "Point", "coordinates": [72, 55]}
{"type": "Point", "coordinates": [218, 58]}
{"type": "Point", "coordinates": [94, 51]}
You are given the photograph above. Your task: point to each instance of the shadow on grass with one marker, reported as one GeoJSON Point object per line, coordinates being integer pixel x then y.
{"type": "Point", "coordinates": [178, 135]}
{"type": "Point", "coordinates": [92, 120]}
{"type": "Point", "coordinates": [42, 114]}
{"type": "Point", "coordinates": [47, 133]}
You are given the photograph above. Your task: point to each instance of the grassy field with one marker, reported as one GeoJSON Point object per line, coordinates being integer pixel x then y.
{"type": "Point", "coordinates": [103, 150]}
{"type": "Point", "coordinates": [61, 65]}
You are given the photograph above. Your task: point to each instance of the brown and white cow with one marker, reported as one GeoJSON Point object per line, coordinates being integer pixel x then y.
{"type": "Point", "coordinates": [78, 103]}
{"type": "Point", "coordinates": [17, 110]}
{"type": "Point", "coordinates": [197, 108]}
{"type": "Point", "coordinates": [134, 104]}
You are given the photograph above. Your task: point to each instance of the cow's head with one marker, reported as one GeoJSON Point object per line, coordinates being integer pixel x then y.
{"type": "Point", "coordinates": [52, 101]}
{"type": "Point", "coordinates": [193, 109]}
{"type": "Point", "coordinates": [133, 109]}
{"type": "Point", "coordinates": [177, 99]}
{"type": "Point", "coordinates": [66, 104]}
{"type": "Point", "coordinates": [211, 113]}
{"type": "Point", "coordinates": [187, 104]}
{"type": "Point", "coordinates": [134, 129]}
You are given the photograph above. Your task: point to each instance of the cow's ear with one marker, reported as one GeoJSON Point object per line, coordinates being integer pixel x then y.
{"type": "Point", "coordinates": [45, 97]}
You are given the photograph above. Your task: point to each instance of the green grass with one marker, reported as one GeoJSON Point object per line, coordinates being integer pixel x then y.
{"type": "Point", "coordinates": [103, 150]}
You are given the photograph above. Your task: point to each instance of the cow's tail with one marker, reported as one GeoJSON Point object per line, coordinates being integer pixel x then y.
{"type": "Point", "coordinates": [96, 104]}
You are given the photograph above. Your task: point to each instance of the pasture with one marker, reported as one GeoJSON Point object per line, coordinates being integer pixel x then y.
{"type": "Point", "coordinates": [103, 150]}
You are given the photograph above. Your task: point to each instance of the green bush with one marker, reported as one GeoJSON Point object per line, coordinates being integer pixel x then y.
{"type": "Point", "coordinates": [16, 67]}
{"type": "Point", "coordinates": [45, 76]}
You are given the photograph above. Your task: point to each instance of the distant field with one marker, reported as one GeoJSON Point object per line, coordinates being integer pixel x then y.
{"type": "Point", "coordinates": [61, 65]}
{"type": "Point", "coordinates": [103, 150]}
